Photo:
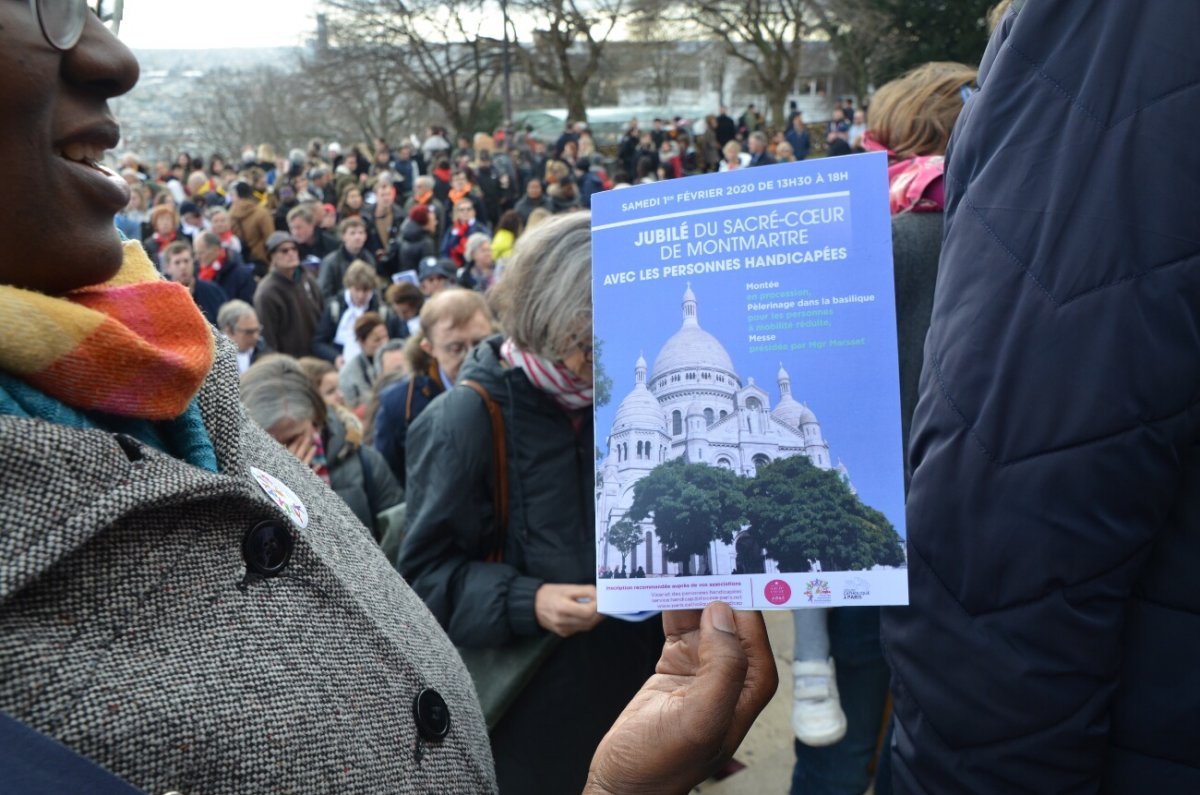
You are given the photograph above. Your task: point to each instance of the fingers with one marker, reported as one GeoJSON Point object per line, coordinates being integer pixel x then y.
{"type": "Point", "coordinates": [722, 661]}
{"type": "Point", "coordinates": [575, 591]}
{"type": "Point", "coordinates": [680, 622]}
{"type": "Point", "coordinates": [302, 447]}
{"type": "Point", "coordinates": [565, 609]}
{"type": "Point", "coordinates": [762, 675]}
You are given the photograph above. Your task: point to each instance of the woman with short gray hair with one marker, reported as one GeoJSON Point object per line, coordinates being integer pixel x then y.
{"type": "Point", "coordinates": [479, 268]}
{"type": "Point", "coordinates": [281, 399]}
{"type": "Point", "coordinates": [500, 541]}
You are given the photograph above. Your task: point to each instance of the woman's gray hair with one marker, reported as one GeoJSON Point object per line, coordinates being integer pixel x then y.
{"type": "Point", "coordinates": [545, 298]}
{"type": "Point", "coordinates": [277, 388]}
{"type": "Point", "coordinates": [231, 312]}
{"type": "Point", "coordinates": [473, 243]}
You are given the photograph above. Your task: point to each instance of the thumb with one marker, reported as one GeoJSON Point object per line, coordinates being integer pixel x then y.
{"type": "Point", "coordinates": [721, 673]}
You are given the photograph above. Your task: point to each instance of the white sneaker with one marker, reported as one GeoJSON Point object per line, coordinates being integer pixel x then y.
{"type": "Point", "coordinates": [817, 717]}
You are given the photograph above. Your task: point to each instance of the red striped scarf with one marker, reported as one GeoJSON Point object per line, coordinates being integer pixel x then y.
{"type": "Point", "coordinates": [553, 378]}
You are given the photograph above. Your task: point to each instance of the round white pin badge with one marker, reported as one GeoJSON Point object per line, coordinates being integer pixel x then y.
{"type": "Point", "coordinates": [282, 496]}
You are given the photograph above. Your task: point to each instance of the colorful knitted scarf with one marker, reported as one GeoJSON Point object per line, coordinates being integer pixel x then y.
{"type": "Point", "coordinates": [553, 378]}
{"type": "Point", "coordinates": [135, 346]}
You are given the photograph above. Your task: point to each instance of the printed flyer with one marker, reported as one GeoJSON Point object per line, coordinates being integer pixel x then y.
{"type": "Point", "coordinates": [749, 448]}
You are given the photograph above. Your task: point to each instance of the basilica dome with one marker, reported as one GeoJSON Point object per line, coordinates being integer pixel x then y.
{"type": "Point", "coordinates": [639, 410]}
{"type": "Point", "coordinates": [691, 348]}
{"type": "Point", "coordinates": [793, 413]}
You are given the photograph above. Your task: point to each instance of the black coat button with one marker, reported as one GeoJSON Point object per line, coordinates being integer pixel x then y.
{"type": "Point", "coordinates": [267, 547]}
{"type": "Point", "coordinates": [432, 714]}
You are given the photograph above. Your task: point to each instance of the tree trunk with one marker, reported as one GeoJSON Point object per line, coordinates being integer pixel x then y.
{"type": "Point", "coordinates": [576, 109]}
{"type": "Point", "coordinates": [777, 102]}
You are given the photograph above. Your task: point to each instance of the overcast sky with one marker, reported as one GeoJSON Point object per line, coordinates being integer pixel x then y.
{"type": "Point", "coordinates": [196, 24]}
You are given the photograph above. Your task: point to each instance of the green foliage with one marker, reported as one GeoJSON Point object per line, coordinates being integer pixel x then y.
{"type": "Point", "coordinates": [691, 504]}
{"type": "Point", "coordinates": [623, 536]}
{"type": "Point", "coordinates": [601, 381]}
{"type": "Point", "coordinates": [487, 117]}
{"type": "Point", "coordinates": [800, 512]}
{"type": "Point", "coordinates": [934, 30]}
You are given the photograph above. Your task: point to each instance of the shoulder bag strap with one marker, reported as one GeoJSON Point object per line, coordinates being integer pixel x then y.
{"type": "Point", "coordinates": [500, 459]}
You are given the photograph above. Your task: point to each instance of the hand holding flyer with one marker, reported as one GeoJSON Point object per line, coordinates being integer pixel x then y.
{"type": "Point", "coordinates": [756, 458]}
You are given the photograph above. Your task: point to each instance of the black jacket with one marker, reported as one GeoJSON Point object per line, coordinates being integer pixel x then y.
{"type": "Point", "coordinates": [450, 512]}
{"type": "Point", "coordinates": [1054, 512]}
{"type": "Point", "coordinates": [358, 474]}
{"type": "Point", "coordinates": [334, 267]}
{"type": "Point", "coordinates": [236, 279]}
{"type": "Point", "coordinates": [415, 245]}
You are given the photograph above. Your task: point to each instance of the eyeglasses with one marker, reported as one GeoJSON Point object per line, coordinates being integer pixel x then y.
{"type": "Point", "coordinates": [251, 330]}
{"type": "Point", "coordinates": [62, 21]}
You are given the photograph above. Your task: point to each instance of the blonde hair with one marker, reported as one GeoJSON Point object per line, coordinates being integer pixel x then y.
{"type": "Point", "coordinates": [914, 114]}
{"type": "Point", "coordinates": [996, 15]}
{"type": "Point", "coordinates": [361, 275]}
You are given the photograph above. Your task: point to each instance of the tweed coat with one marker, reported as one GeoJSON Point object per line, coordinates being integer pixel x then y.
{"type": "Point", "coordinates": [130, 632]}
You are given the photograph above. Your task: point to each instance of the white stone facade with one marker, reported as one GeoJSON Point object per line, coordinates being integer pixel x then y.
{"type": "Point", "coordinates": [692, 403]}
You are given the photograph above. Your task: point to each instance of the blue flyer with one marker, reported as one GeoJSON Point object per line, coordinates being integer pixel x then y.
{"type": "Point", "coordinates": [749, 448]}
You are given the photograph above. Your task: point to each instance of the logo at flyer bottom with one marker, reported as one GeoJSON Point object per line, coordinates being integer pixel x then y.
{"type": "Point", "coordinates": [818, 591]}
{"type": "Point", "coordinates": [777, 592]}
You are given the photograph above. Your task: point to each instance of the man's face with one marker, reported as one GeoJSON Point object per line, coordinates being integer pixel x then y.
{"type": "Point", "coordinates": [534, 189]}
{"type": "Point", "coordinates": [385, 195]}
{"type": "Point", "coordinates": [193, 220]}
{"type": "Point", "coordinates": [301, 229]}
{"type": "Point", "coordinates": [407, 311]}
{"type": "Point", "coordinates": [245, 332]}
{"type": "Point", "coordinates": [204, 253]}
{"type": "Point", "coordinates": [432, 285]}
{"type": "Point", "coordinates": [392, 361]}
{"type": "Point", "coordinates": [180, 268]}
{"type": "Point", "coordinates": [354, 238]}
{"type": "Point", "coordinates": [219, 222]}
{"type": "Point", "coordinates": [756, 145]}
{"type": "Point", "coordinates": [359, 296]}
{"type": "Point", "coordinates": [286, 258]}
{"type": "Point", "coordinates": [464, 212]}
{"type": "Point", "coordinates": [451, 344]}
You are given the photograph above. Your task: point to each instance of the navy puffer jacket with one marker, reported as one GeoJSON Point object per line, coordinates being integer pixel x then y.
{"type": "Point", "coordinates": [1053, 640]}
